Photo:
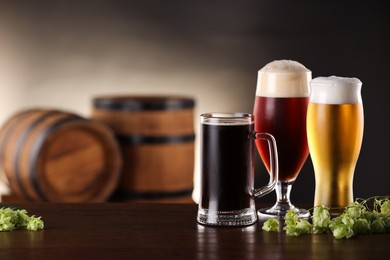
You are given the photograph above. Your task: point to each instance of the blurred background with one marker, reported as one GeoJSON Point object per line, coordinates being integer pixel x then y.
{"type": "Point", "coordinates": [62, 53]}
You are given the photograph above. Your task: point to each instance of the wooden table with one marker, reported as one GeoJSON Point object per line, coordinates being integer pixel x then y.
{"type": "Point", "coordinates": [166, 231]}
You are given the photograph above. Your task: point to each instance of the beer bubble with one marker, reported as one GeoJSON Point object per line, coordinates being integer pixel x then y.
{"type": "Point", "coordinates": [335, 90]}
{"type": "Point", "coordinates": [283, 78]}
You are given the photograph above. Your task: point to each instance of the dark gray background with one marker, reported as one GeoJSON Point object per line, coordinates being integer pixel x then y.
{"type": "Point", "coordinates": [209, 49]}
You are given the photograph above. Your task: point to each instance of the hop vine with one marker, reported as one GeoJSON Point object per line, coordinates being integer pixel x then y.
{"type": "Point", "coordinates": [357, 218]}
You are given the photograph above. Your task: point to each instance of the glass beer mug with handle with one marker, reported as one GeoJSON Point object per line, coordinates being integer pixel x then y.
{"type": "Point", "coordinates": [280, 108]}
{"type": "Point", "coordinates": [335, 123]}
{"type": "Point", "coordinates": [227, 170]}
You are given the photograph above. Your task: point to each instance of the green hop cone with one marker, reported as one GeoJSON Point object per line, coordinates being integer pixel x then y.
{"type": "Point", "coordinates": [378, 226]}
{"type": "Point", "coordinates": [8, 219]}
{"type": "Point", "coordinates": [22, 217]}
{"type": "Point", "coordinates": [361, 226]}
{"type": "Point", "coordinates": [6, 223]}
{"type": "Point", "coordinates": [355, 210]}
{"type": "Point", "coordinates": [291, 217]}
{"type": "Point", "coordinates": [271, 224]}
{"type": "Point", "coordinates": [385, 207]}
{"type": "Point", "coordinates": [320, 219]}
{"type": "Point", "coordinates": [303, 226]}
{"type": "Point", "coordinates": [335, 221]}
{"type": "Point", "coordinates": [357, 218]}
{"type": "Point", "coordinates": [342, 231]}
{"type": "Point", "coordinates": [291, 231]}
{"type": "Point", "coordinates": [294, 226]}
{"type": "Point", "coordinates": [386, 219]}
{"type": "Point", "coordinates": [11, 219]}
{"type": "Point", "coordinates": [347, 220]}
{"type": "Point", "coordinates": [35, 223]}
{"type": "Point", "coordinates": [370, 216]}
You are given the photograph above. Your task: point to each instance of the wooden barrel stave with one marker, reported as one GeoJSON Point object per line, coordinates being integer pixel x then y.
{"type": "Point", "coordinates": [157, 143]}
{"type": "Point", "coordinates": [29, 161]}
{"type": "Point", "coordinates": [149, 123]}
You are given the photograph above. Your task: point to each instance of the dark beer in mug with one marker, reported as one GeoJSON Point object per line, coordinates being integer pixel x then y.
{"type": "Point", "coordinates": [227, 191]}
{"type": "Point", "coordinates": [227, 149]}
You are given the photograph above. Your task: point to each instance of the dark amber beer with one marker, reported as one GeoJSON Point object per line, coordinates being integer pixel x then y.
{"type": "Point", "coordinates": [280, 108]}
{"type": "Point", "coordinates": [286, 119]}
{"type": "Point", "coordinates": [335, 123]}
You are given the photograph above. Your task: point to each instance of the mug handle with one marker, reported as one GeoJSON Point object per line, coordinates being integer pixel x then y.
{"type": "Point", "coordinates": [274, 165]}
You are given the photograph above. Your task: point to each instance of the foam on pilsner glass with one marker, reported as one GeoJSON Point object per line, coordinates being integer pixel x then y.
{"type": "Point", "coordinates": [283, 78]}
{"type": "Point", "coordinates": [335, 90]}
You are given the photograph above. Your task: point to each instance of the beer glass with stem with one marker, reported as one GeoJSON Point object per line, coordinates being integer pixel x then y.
{"type": "Point", "coordinates": [280, 108]}
{"type": "Point", "coordinates": [335, 124]}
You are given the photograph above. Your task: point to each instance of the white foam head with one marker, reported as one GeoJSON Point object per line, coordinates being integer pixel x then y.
{"type": "Point", "coordinates": [335, 90]}
{"type": "Point", "coordinates": [283, 78]}
{"type": "Point", "coordinates": [216, 118]}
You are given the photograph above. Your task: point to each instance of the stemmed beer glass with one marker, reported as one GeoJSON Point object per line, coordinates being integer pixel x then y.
{"type": "Point", "coordinates": [280, 108]}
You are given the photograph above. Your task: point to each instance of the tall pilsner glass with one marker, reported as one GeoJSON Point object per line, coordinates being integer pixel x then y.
{"type": "Point", "coordinates": [280, 108]}
{"type": "Point", "coordinates": [335, 124]}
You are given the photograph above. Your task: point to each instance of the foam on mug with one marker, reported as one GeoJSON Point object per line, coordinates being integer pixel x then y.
{"type": "Point", "coordinates": [283, 78]}
{"type": "Point", "coordinates": [217, 118]}
{"type": "Point", "coordinates": [335, 90]}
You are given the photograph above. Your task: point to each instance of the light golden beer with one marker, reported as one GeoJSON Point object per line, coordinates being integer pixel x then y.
{"type": "Point", "coordinates": [335, 135]}
{"type": "Point", "coordinates": [335, 131]}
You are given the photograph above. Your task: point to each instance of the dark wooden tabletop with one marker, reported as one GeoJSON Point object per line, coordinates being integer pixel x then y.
{"type": "Point", "coordinates": [166, 231]}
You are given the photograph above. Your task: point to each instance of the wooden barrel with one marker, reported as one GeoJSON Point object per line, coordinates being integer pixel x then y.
{"type": "Point", "coordinates": [156, 134]}
{"type": "Point", "coordinates": [58, 156]}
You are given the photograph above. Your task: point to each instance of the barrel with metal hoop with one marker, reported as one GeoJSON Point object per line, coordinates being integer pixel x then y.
{"type": "Point", "coordinates": [157, 136]}
{"type": "Point", "coordinates": [58, 156]}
